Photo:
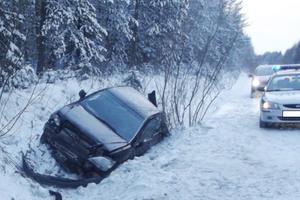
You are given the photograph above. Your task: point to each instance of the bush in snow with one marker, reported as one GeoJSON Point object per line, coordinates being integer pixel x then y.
{"type": "Point", "coordinates": [52, 76]}
{"type": "Point", "coordinates": [133, 80]}
{"type": "Point", "coordinates": [24, 78]}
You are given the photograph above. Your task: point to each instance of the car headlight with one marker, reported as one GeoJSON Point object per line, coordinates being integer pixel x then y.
{"type": "Point", "coordinates": [267, 105]}
{"type": "Point", "coordinates": [56, 119]}
{"type": "Point", "coordinates": [255, 82]}
{"type": "Point", "coordinates": [102, 163]}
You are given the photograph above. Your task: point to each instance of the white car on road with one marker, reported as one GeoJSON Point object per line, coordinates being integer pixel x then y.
{"type": "Point", "coordinates": [260, 78]}
{"type": "Point", "coordinates": [280, 103]}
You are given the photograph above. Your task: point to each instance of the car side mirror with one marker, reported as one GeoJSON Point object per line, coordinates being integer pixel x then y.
{"type": "Point", "coordinates": [265, 88]}
{"type": "Point", "coordinates": [82, 94]}
{"type": "Point", "coordinates": [152, 98]}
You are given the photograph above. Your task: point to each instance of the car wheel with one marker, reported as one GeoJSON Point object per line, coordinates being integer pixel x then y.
{"type": "Point", "coordinates": [252, 94]}
{"type": "Point", "coordinates": [263, 124]}
{"type": "Point", "coordinates": [43, 139]}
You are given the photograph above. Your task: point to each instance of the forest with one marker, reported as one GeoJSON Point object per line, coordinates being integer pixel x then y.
{"type": "Point", "coordinates": [290, 56]}
{"type": "Point", "coordinates": [92, 37]}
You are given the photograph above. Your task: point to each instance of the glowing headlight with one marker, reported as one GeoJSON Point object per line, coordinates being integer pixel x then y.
{"type": "Point", "coordinates": [255, 83]}
{"type": "Point", "coordinates": [56, 120]}
{"type": "Point", "coordinates": [266, 105]}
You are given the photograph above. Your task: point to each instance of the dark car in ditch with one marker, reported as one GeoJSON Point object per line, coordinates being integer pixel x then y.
{"type": "Point", "coordinates": [102, 130]}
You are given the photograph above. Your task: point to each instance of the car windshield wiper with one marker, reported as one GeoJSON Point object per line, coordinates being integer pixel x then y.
{"type": "Point", "coordinates": [280, 90]}
{"type": "Point", "coordinates": [275, 90]}
{"type": "Point", "coordinates": [287, 90]}
{"type": "Point", "coordinates": [99, 145]}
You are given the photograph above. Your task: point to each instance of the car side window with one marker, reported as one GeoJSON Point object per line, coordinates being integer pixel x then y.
{"type": "Point", "coordinates": [152, 127]}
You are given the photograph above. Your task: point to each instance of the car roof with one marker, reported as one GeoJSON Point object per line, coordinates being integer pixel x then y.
{"type": "Point", "coordinates": [264, 66]}
{"type": "Point", "coordinates": [133, 99]}
{"type": "Point", "coordinates": [288, 72]}
{"type": "Point", "coordinates": [290, 65]}
{"type": "Point", "coordinates": [279, 65]}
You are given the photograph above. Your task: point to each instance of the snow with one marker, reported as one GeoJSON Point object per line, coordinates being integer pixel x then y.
{"type": "Point", "coordinates": [226, 157]}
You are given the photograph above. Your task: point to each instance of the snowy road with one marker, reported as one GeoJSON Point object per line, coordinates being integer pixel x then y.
{"type": "Point", "coordinates": [227, 158]}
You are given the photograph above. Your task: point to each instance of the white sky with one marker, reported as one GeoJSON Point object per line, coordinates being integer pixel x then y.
{"type": "Point", "coordinates": [274, 25]}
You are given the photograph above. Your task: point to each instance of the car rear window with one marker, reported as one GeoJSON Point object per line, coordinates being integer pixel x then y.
{"type": "Point", "coordinates": [264, 71]}
{"type": "Point", "coordinates": [116, 114]}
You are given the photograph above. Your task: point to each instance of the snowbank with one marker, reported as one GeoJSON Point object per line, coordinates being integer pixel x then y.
{"type": "Point", "coordinates": [227, 157]}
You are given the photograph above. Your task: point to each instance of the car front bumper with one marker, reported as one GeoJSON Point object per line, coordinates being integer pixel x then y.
{"type": "Point", "coordinates": [276, 116]}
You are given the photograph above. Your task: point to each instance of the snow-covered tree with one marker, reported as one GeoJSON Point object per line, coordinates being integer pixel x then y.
{"type": "Point", "coordinates": [73, 37]}
{"type": "Point", "coordinates": [292, 55]}
{"type": "Point", "coordinates": [213, 26]}
{"type": "Point", "coordinates": [11, 38]}
{"type": "Point", "coordinates": [101, 35]}
{"type": "Point", "coordinates": [156, 30]}
{"type": "Point", "coordinates": [243, 57]}
{"type": "Point", "coordinates": [207, 43]}
{"type": "Point", "coordinates": [114, 16]}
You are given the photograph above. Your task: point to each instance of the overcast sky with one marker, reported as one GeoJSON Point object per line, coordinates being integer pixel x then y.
{"type": "Point", "coordinates": [274, 25]}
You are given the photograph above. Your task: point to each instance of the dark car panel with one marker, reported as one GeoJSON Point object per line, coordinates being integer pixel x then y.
{"type": "Point", "coordinates": [94, 128]}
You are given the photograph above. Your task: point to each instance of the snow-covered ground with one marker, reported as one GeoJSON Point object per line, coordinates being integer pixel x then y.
{"type": "Point", "coordinates": [227, 157]}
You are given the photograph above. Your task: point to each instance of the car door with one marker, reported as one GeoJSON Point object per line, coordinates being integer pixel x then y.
{"type": "Point", "coordinates": [148, 136]}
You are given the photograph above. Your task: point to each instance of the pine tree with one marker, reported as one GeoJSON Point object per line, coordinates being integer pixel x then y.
{"type": "Point", "coordinates": [156, 29]}
{"type": "Point", "coordinates": [114, 16]}
{"type": "Point", "coordinates": [74, 38]}
{"type": "Point", "coordinates": [11, 38]}
{"type": "Point", "coordinates": [297, 54]}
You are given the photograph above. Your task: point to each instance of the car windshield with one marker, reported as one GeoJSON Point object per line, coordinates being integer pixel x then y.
{"type": "Point", "coordinates": [264, 71]}
{"type": "Point", "coordinates": [285, 83]}
{"type": "Point", "coordinates": [114, 113]}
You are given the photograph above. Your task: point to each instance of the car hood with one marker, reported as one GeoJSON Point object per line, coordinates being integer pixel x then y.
{"type": "Point", "coordinates": [92, 127]}
{"type": "Point", "coordinates": [283, 97]}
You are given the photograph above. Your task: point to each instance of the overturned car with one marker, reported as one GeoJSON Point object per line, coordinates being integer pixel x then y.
{"type": "Point", "coordinates": [94, 135]}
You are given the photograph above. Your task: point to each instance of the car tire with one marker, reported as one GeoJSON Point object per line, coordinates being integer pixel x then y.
{"type": "Point", "coordinates": [43, 139]}
{"type": "Point", "coordinates": [263, 124]}
{"type": "Point", "coordinates": [252, 94]}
